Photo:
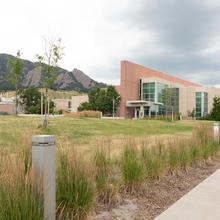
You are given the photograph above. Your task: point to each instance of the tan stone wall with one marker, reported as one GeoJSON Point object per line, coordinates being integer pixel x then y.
{"type": "Point", "coordinates": [7, 107]}
{"type": "Point", "coordinates": [212, 92]}
{"type": "Point", "coordinates": [187, 99]}
{"type": "Point", "coordinates": [61, 104]}
{"type": "Point", "coordinates": [77, 100]}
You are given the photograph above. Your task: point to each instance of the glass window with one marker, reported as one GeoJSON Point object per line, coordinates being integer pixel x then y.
{"type": "Point", "coordinates": [201, 104]}
{"type": "Point", "coordinates": [155, 91]}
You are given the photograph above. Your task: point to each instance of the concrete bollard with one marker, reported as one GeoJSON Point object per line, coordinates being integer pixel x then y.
{"type": "Point", "coordinates": [43, 164]}
{"type": "Point", "coordinates": [216, 132]}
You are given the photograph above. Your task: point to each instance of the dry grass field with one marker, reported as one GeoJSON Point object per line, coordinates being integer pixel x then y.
{"type": "Point", "coordinates": [104, 164]}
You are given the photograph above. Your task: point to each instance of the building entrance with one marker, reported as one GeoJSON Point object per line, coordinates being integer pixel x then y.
{"type": "Point", "coordinates": [137, 112]}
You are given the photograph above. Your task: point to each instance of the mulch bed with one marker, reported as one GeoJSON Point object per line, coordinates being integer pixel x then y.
{"type": "Point", "coordinates": [157, 195]}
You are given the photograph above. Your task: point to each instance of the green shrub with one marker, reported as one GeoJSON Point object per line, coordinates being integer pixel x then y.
{"type": "Point", "coordinates": [75, 189]}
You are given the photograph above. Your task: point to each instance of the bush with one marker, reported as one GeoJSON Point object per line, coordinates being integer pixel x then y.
{"type": "Point", "coordinates": [90, 114]}
{"type": "Point", "coordinates": [60, 111]}
{"type": "Point", "coordinates": [207, 117]}
{"type": "Point", "coordinates": [4, 113]}
{"type": "Point", "coordinates": [33, 109]}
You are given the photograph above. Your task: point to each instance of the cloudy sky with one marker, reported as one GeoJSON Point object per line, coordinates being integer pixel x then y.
{"type": "Point", "coordinates": [181, 38]}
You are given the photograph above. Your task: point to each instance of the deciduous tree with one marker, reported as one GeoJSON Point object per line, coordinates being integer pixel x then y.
{"type": "Point", "coordinates": [14, 71]}
{"type": "Point", "coordinates": [48, 62]}
{"type": "Point", "coordinates": [102, 100]}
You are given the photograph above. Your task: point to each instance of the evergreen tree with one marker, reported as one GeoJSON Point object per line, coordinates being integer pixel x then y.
{"type": "Point", "coordinates": [215, 113]}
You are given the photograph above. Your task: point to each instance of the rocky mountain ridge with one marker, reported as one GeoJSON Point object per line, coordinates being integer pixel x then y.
{"type": "Point", "coordinates": [30, 77]}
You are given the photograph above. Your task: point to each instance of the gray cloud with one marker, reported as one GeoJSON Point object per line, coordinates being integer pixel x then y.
{"type": "Point", "coordinates": [185, 30]}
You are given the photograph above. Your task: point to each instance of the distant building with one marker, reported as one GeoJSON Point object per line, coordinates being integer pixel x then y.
{"type": "Point", "coordinates": [70, 105]}
{"type": "Point", "coordinates": [63, 104]}
{"type": "Point", "coordinates": [77, 100]}
{"type": "Point", "coordinates": [7, 105]}
{"type": "Point", "coordinates": [142, 90]}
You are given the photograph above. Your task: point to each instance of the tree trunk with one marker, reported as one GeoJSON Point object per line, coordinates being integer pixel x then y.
{"type": "Point", "coordinates": [16, 97]}
{"type": "Point", "coordinates": [45, 123]}
{"type": "Point", "coordinates": [42, 104]}
{"type": "Point", "coordinates": [48, 105]}
{"type": "Point", "coordinates": [172, 113]}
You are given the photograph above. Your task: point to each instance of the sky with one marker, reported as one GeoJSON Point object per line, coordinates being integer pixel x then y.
{"type": "Point", "coordinates": [180, 38]}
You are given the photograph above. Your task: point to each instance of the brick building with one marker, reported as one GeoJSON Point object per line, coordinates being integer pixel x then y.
{"type": "Point", "coordinates": [142, 93]}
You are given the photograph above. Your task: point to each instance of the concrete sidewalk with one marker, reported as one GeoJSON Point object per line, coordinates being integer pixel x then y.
{"type": "Point", "coordinates": [201, 203]}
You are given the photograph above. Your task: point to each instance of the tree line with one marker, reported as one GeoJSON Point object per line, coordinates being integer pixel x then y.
{"type": "Point", "coordinates": [102, 100]}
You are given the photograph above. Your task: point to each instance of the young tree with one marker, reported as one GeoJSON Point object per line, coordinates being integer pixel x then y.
{"type": "Point", "coordinates": [48, 62]}
{"type": "Point", "coordinates": [15, 69]}
{"type": "Point", "coordinates": [168, 98]}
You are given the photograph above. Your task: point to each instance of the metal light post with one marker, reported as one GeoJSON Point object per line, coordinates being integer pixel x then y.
{"type": "Point", "coordinates": [216, 132]}
{"type": "Point", "coordinates": [43, 164]}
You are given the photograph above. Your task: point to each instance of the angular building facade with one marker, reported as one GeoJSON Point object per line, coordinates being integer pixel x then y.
{"type": "Point", "coordinates": [147, 93]}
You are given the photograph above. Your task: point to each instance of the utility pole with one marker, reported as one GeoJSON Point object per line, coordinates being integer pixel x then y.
{"type": "Point", "coordinates": [63, 103]}
{"type": "Point", "coordinates": [113, 102]}
{"type": "Point", "coordinates": [45, 108]}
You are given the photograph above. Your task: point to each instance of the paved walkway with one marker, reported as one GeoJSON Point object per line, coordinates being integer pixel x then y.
{"type": "Point", "coordinates": [201, 203]}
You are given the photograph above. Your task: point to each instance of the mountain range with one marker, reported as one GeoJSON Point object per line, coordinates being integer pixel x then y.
{"type": "Point", "coordinates": [66, 80]}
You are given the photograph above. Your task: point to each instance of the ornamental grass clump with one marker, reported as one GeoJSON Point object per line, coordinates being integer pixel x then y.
{"type": "Point", "coordinates": [132, 167]}
{"type": "Point", "coordinates": [205, 140]}
{"type": "Point", "coordinates": [173, 159]}
{"type": "Point", "coordinates": [106, 185]}
{"type": "Point", "coordinates": [102, 168]}
{"type": "Point", "coordinates": [75, 187]}
{"type": "Point", "coordinates": [195, 152]}
{"type": "Point", "coordinates": [184, 156]}
{"type": "Point", "coordinates": [154, 160]}
{"type": "Point", "coordinates": [20, 197]}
